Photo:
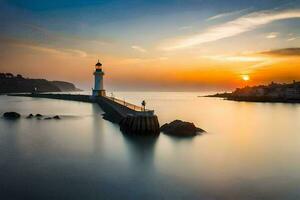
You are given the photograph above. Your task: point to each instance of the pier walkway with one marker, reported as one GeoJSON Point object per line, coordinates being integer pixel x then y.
{"type": "Point", "coordinates": [127, 104]}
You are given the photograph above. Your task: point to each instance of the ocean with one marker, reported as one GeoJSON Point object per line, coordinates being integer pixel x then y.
{"type": "Point", "coordinates": [250, 151]}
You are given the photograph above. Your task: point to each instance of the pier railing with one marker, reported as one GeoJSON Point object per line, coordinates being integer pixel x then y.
{"type": "Point", "coordinates": [129, 105]}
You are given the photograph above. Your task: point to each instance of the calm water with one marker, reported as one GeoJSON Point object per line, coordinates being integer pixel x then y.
{"type": "Point", "coordinates": [251, 151]}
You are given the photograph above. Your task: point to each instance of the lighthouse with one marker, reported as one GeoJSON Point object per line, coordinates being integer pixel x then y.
{"type": "Point", "coordinates": [98, 86]}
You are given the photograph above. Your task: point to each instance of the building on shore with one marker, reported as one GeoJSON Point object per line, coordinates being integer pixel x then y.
{"type": "Point", "coordinates": [273, 90]}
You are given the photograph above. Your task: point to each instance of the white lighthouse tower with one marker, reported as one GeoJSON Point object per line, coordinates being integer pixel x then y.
{"type": "Point", "coordinates": [98, 87]}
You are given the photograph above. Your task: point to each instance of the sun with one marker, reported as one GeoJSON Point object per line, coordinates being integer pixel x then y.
{"type": "Point", "coordinates": [246, 77]}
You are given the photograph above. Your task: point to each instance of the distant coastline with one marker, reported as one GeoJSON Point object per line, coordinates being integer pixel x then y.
{"type": "Point", "coordinates": [273, 93]}
{"type": "Point", "coordinates": [10, 83]}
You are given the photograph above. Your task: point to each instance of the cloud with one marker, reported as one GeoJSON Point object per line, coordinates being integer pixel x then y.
{"type": "Point", "coordinates": [274, 56]}
{"type": "Point", "coordinates": [138, 48]}
{"type": "Point", "coordinates": [44, 49]}
{"type": "Point", "coordinates": [291, 39]}
{"type": "Point", "coordinates": [256, 57]}
{"type": "Point", "coordinates": [235, 58]}
{"type": "Point", "coordinates": [283, 52]}
{"type": "Point", "coordinates": [232, 28]}
{"type": "Point", "coordinates": [266, 63]}
{"type": "Point", "coordinates": [222, 15]}
{"type": "Point", "coordinates": [59, 36]}
{"type": "Point", "coordinates": [260, 59]}
{"type": "Point", "coordinates": [272, 35]}
{"type": "Point", "coordinates": [134, 60]}
{"type": "Point", "coordinates": [185, 27]}
{"type": "Point", "coordinates": [66, 52]}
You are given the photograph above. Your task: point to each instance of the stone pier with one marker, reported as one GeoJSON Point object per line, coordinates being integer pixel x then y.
{"type": "Point", "coordinates": [131, 118]}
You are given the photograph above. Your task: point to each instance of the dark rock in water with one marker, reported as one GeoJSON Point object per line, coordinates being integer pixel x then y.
{"type": "Point", "coordinates": [46, 118]}
{"type": "Point", "coordinates": [56, 117]}
{"type": "Point", "coordinates": [11, 115]}
{"type": "Point", "coordinates": [38, 115]}
{"type": "Point", "coordinates": [29, 116]}
{"type": "Point", "coordinates": [181, 129]}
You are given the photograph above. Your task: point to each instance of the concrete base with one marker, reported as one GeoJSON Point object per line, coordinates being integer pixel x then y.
{"type": "Point", "coordinates": [97, 93]}
{"type": "Point", "coordinates": [140, 125]}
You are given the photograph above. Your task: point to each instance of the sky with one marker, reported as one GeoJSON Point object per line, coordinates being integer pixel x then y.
{"type": "Point", "coordinates": [153, 45]}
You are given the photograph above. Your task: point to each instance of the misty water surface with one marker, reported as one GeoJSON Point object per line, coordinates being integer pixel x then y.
{"type": "Point", "coordinates": [250, 151]}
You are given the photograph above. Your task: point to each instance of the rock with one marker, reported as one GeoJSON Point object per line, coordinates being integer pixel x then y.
{"type": "Point", "coordinates": [11, 115]}
{"type": "Point", "coordinates": [29, 116]}
{"type": "Point", "coordinates": [46, 118]}
{"type": "Point", "coordinates": [56, 117]}
{"type": "Point", "coordinates": [38, 115]}
{"type": "Point", "coordinates": [181, 128]}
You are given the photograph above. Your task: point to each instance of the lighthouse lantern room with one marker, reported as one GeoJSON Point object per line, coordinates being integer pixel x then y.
{"type": "Point", "coordinates": [98, 87]}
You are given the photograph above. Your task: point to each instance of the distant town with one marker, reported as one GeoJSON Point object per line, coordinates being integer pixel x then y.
{"type": "Point", "coordinates": [274, 92]}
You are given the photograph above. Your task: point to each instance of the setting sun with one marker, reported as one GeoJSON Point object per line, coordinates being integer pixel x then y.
{"type": "Point", "coordinates": [245, 77]}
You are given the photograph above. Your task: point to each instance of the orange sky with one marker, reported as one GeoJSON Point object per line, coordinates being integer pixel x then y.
{"type": "Point", "coordinates": [173, 73]}
{"type": "Point", "coordinates": [204, 72]}
{"type": "Point", "coordinates": [176, 51]}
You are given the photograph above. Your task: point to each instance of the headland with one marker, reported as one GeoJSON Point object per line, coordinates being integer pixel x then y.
{"type": "Point", "coordinates": [10, 83]}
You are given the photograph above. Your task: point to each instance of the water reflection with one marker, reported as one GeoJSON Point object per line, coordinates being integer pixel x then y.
{"type": "Point", "coordinates": [141, 149]}
{"type": "Point", "coordinates": [9, 148]}
{"type": "Point", "coordinates": [98, 129]}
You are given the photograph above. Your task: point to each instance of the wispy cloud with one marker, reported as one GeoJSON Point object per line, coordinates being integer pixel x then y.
{"type": "Point", "coordinates": [260, 59]}
{"type": "Point", "coordinates": [227, 14]}
{"type": "Point", "coordinates": [44, 49]}
{"type": "Point", "coordinates": [232, 28]}
{"type": "Point", "coordinates": [132, 61]}
{"type": "Point", "coordinates": [67, 52]}
{"type": "Point", "coordinates": [235, 58]}
{"type": "Point", "coordinates": [138, 48]}
{"type": "Point", "coordinates": [260, 56]}
{"type": "Point", "coordinates": [291, 39]}
{"type": "Point", "coordinates": [283, 52]}
{"type": "Point", "coordinates": [272, 35]}
{"type": "Point", "coordinates": [58, 36]}
{"type": "Point", "coordinates": [185, 27]}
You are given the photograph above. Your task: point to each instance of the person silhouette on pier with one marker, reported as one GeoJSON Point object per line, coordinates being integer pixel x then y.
{"type": "Point", "coordinates": [144, 105]}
